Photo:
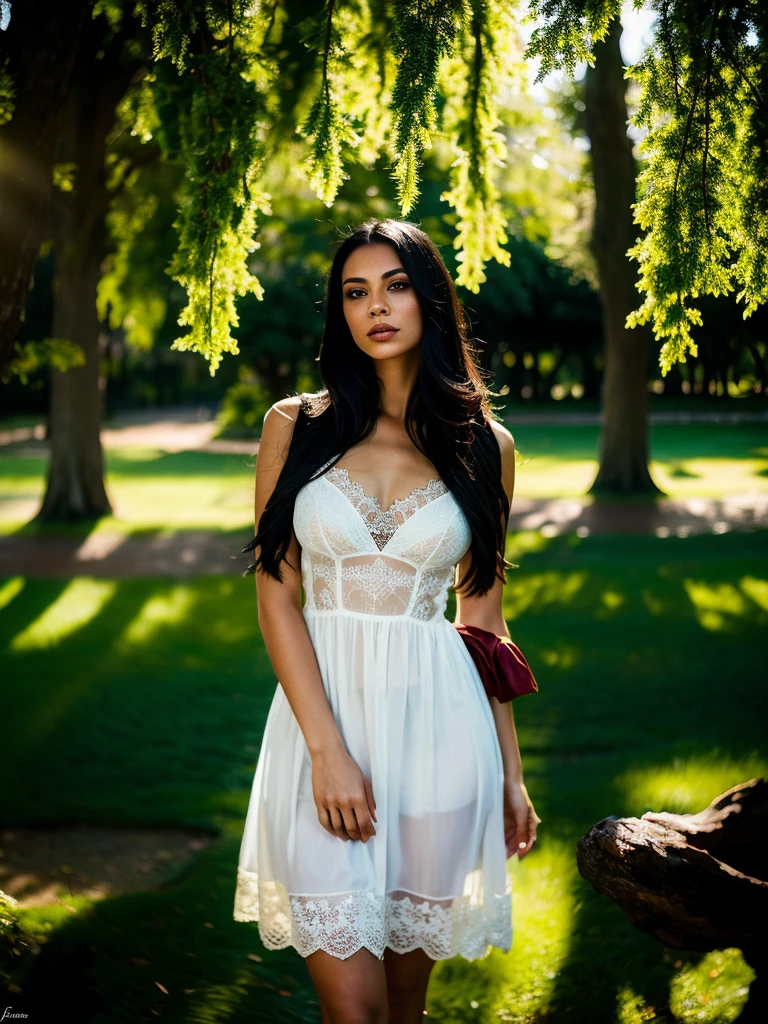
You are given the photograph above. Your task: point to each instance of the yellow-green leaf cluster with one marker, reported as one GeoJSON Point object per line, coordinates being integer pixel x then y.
{"type": "Point", "coordinates": [703, 190]}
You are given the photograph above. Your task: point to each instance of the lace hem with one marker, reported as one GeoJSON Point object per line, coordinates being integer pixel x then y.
{"type": "Point", "coordinates": [342, 923]}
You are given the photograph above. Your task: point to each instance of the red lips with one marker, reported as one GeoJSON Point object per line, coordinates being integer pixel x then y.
{"type": "Point", "coordinates": [381, 329]}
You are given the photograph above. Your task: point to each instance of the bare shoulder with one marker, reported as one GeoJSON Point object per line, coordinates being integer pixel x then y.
{"type": "Point", "coordinates": [286, 408]}
{"type": "Point", "coordinates": [276, 433]}
{"type": "Point", "coordinates": [505, 440]}
{"type": "Point", "coordinates": [506, 444]}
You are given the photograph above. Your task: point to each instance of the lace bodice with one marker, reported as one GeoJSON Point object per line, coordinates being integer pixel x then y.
{"type": "Point", "coordinates": [359, 558]}
{"type": "Point", "coordinates": [383, 523]}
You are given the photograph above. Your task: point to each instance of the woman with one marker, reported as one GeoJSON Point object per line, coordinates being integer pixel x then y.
{"type": "Point", "coordinates": [388, 792]}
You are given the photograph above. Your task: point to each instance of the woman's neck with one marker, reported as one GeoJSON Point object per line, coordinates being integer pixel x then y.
{"type": "Point", "coordinates": [397, 377]}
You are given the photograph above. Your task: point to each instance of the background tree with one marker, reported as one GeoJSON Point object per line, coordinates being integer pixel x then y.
{"type": "Point", "coordinates": [623, 464]}
{"type": "Point", "coordinates": [37, 54]}
{"type": "Point", "coordinates": [702, 202]}
{"type": "Point", "coordinates": [371, 83]}
{"type": "Point", "coordinates": [75, 483]}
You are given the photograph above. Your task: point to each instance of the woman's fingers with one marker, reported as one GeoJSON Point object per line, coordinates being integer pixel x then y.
{"type": "Point", "coordinates": [520, 821]}
{"type": "Point", "coordinates": [364, 824]}
{"type": "Point", "coordinates": [357, 817]}
{"type": "Point", "coordinates": [528, 840]}
{"type": "Point", "coordinates": [337, 823]}
{"type": "Point", "coordinates": [344, 797]}
{"type": "Point", "coordinates": [350, 822]}
{"type": "Point", "coordinates": [369, 797]}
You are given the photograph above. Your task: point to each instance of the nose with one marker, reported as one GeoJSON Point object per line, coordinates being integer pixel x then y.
{"type": "Point", "coordinates": [377, 308]}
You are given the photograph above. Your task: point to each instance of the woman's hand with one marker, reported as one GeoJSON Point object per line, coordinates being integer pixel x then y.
{"type": "Point", "coordinates": [520, 819]}
{"type": "Point", "coordinates": [343, 796]}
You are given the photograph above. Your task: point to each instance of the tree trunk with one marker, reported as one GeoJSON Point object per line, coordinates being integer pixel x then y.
{"type": "Point", "coordinates": [623, 440]}
{"type": "Point", "coordinates": [692, 881]}
{"type": "Point", "coordinates": [40, 45]}
{"type": "Point", "coordinates": [75, 484]}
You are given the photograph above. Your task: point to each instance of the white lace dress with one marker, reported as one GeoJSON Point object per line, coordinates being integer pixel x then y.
{"type": "Point", "coordinates": [413, 714]}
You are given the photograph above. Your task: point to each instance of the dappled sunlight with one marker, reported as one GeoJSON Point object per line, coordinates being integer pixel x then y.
{"type": "Point", "coordinates": [717, 605]}
{"type": "Point", "coordinates": [543, 911]}
{"type": "Point", "coordinates": [756, 590]}
{"type": "Point", "coordinates": [611, 602]}
{"type": "Point", "coordinates": [712, 991]}
{"type": "Point", "coordinates": [148, 489]}
{"type": "Point", "coordinates": [120, 464]}
{"type": "Point", "coordinates": [551, 476]}
{"type": "Point", "coordinates": [536, 592]}
{"type": "Point", "coordinates": [554, 476]}
{"type": "Point", "coordinates": [685, 785]}
{"type": "Point", "coordinates": [561, 657]}
{"type": "Point", "coordinates": [711, 477]}
{"type": "Point", "coordinates": [219, 1002]}
{"type": "Point", "coordinates": [518, 985]}
{"type": "Point", "coordinates": [216, 502]}
{"type": "Point", "coordinates": [632, 1008]}
{"type": "Point", "coordinates": [676, 468]}
{"type": "Point", "coordinates": [694, 995]}
{"type": "Point", "coordinates": [78, 604]}
{"type": "Point", "coordinates": [524, 542]}
{"type": "Point", "coordinates": [10, 590]}
{"type": "Point", "coordinates": [158, 612]}
{"type": "Point", "coordinates": [157, 711]}
{"type": "Point", "coordinates": [23, 487]}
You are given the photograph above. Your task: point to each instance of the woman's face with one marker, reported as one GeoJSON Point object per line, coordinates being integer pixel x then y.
{"type": "Point", "coordinates": [376, 292]}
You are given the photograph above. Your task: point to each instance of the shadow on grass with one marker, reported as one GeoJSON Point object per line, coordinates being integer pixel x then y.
{"type": "Point", "coordinates": [26, 605]}
{"type": "Point", "coordinates": [172, 953]}
{"type": "Point", "coordinates": [166, 690]}
{"type": "Point", "coordinates": [140, 462]}
{"type": "Point", "coordinates": [631, 643]}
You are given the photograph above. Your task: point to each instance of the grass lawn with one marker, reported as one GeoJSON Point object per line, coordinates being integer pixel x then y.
{"type": "Point", "coordinates": [143, 702]}
{"type": "Point", "coordinates": [151, 489]}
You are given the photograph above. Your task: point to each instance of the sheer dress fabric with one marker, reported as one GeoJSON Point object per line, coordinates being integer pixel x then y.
{"type": "Point", "coordinates": [413, 713]}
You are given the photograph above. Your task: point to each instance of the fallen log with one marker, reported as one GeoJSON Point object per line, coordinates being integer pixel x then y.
{"type": "Point", "coordinates": [692, 881]}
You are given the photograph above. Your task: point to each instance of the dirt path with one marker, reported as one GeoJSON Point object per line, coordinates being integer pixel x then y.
{"type": "Point", "coordinates": [39, 866]}
{"type": "Point", "coordinates": [185, 553]}
{"type": "Point", "coordinates": [192, 552]}
{"type": "Point", "coordinates": [191, 428]}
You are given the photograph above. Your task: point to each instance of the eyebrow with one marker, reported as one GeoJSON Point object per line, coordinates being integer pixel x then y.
{"type": "Point", "coordinates": [362, 280]}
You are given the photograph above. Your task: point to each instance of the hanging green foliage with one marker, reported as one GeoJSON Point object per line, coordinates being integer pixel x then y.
{"type": "Point", "coordinates": [327, 127]}
{"type": "Point", "coordinates": [213, 96]}
{"type": "Point", "coordinates": [424, 33]}
{"type": "Point", "coordinates": [488, 63]}
{"type": "Point", "coordinates": [225, 103]}
{"type": "Point", "coordinates": [385, 80]}
{"type": "Point", "coordinates": [703, 190]}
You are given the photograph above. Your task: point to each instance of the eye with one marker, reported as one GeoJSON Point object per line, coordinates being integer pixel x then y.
{"type": "Point", "coordinates": [403, 283]}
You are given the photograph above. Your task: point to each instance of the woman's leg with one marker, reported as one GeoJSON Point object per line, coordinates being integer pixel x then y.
{"type": "Point", "coordinates": [407, 981]}
{"type": "Point", "coordinates": [351, 991]}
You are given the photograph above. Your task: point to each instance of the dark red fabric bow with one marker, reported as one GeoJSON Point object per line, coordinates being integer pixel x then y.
{"type": "Point", "coordinates": [500, 663]}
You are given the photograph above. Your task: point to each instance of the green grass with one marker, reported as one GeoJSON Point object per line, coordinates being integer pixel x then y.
{"type": "Point", "coordinates": [143, 702]}
{"type": "Point", "coordinates": [705, 460]}
{"type": "Point", "coordinates": [151, 489]}
{"type": "Point", "coordinates": [148, 489]}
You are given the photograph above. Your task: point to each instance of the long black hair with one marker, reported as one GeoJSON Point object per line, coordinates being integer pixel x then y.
{"type": "Point", "coordinates": [448, 414]}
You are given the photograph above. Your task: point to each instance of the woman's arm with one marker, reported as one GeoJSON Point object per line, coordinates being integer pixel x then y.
{"type": "Point", "coordinates": [343, 795]}
{"type": "Point", "coordinates": [279, 604]}
{"type": "Point", "coordinates": [486, 612]}
{"type": "Point", "coordinates": [520, 818]}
